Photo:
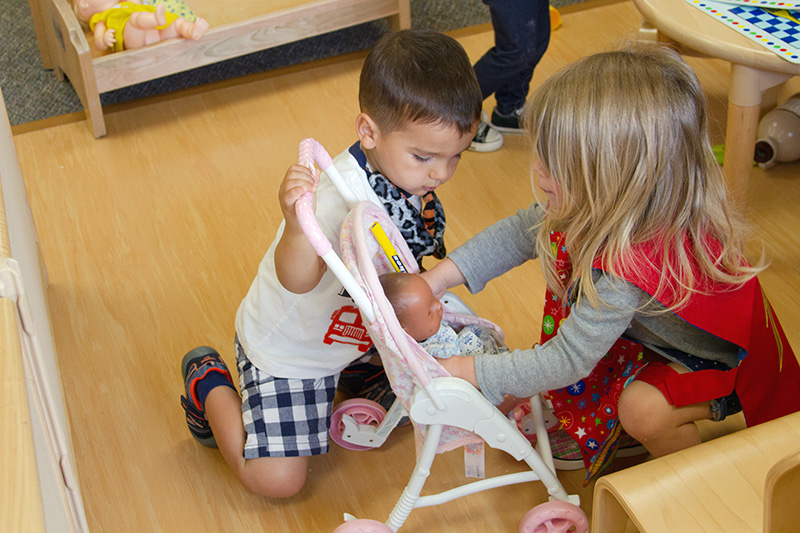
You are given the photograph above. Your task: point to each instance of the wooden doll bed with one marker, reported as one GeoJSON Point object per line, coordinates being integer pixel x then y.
{"type": "Point", "coordinates": [238, 27]}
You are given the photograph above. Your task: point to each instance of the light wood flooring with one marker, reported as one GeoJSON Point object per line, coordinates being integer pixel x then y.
{"type": "Point", "coordinates": [152, 235]}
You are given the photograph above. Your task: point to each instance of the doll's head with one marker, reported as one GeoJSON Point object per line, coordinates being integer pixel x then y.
{"type": "Point", "coordinates": [416, 308]}
{"type": "Point", "coordinates": [84, 9]}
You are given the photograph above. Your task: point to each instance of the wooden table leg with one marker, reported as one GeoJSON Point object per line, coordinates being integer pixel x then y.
{"type": "Point", "coordinates": [744, 104]}
{"type": "Point", "coordinates": [740, 137]}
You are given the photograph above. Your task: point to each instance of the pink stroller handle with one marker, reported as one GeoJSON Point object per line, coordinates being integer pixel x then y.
{"type": "Point", "coordinates": [309, 152]}
{"type": "Point", "coordinates": [308, 222]}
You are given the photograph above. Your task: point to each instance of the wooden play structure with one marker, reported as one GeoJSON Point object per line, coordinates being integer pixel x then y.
{"type": "Point", "coordinates": [746, 481]}
{"type": "Point", "coordinates": [237, 28]}
{"type": "Point", "coordinates": [39, 489]}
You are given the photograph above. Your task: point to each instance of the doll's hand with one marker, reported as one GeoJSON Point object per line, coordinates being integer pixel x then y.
{"type": "Point", "coordinates": [161, 14]}
{"type": "Point", "coordinates": [297, 181]}
{"type": "Point", "coordinates": [109, 38]}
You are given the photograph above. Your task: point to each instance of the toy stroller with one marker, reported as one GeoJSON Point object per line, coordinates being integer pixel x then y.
{"type": "Point", "coordinates": [447, 412]}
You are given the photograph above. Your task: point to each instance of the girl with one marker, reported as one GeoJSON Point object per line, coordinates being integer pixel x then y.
{"type": "Point", "coordinates": [638, 241]}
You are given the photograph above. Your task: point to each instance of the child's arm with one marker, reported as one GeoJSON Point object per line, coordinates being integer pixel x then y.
{"type": "Point", "coordinates": [443, 276]}
{"type": "Point", "coordinates": [297, 265]}
{"type": "Point", "coordinates": [462, 366]}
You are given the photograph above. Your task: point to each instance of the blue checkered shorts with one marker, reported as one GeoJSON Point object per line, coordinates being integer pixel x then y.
{"type": "Point", "coordinates": [283, 417]}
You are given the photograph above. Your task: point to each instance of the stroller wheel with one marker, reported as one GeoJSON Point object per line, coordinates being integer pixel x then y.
{"type": "Point", "coordinates": [363, 526]}
{"type": "Point", "coordinates": [363, 412]}
{"type": "Point", "coordinates": [555, 517]}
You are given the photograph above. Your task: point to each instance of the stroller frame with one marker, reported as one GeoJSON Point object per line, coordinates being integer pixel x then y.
{"type": "Point", "coordinates": [436, 402]}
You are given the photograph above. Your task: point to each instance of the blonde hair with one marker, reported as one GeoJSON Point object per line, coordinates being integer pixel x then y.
{"type": "Point", "coordinates": [625, 136]}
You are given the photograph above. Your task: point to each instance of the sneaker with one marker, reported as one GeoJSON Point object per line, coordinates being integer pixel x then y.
{"type": "Point", "coordinates": [487, 139]}
{"type": "Point", "coordinates": [195, 366]}
{"type": "Point", "coordinates": [368, 381]}
{"type": "Point", "coordinates": [508, 123]}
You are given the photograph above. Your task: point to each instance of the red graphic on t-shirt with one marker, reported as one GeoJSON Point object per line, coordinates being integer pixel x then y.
{"type": "Point", "coordinates": [346, 328]}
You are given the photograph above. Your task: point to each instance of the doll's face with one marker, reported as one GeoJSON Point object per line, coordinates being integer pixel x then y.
{"type": "Point", "coordinates": [87, 8]}
{"type": "Point", "coordinates": [421, 312]}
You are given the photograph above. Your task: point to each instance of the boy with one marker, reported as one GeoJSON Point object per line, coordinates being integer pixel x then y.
{"type": "Point", "coordinates": [420, 106]}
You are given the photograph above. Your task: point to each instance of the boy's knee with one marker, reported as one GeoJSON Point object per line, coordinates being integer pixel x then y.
{"type": "Point", "coordinates": [276, 477]}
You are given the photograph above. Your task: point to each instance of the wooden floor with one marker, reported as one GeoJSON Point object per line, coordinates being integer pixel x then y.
{"type": "Point", "coordinates": [152, 236]}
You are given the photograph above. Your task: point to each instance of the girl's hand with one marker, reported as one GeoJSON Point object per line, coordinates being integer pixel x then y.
{"type": "Point", "coordinates": [461, 366]}
{"type": "Point", "coordinates": [443, 276]}
{"type": "Point", "coordinates": [297, 181]}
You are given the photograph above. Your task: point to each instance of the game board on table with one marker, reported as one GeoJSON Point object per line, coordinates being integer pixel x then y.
{"type": "Point", "coordinates": [773, 25]}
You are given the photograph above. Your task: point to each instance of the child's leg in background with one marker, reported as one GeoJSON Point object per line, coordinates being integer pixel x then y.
{"type": "Point", "coordinates": [522, 34]}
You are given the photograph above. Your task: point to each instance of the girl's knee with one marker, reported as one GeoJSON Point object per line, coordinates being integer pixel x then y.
{"type": "Point", "coordinates": [643, 411]}
{"type": "Point", "coordinates": [275, 477]}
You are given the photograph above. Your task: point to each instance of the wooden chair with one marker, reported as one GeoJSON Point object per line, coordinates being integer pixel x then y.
{"type": "Point", "coordinates": [742, 482]}
{"type": "Point", "coordinates": [782, 495]}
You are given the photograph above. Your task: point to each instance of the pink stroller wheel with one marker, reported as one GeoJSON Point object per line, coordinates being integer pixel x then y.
{"type": "Point", "coordinates": [363, 412]}
{"type": "Point", "coordinates": [555, 517]}
{"type": "Point", "coordinates": [363, 526]}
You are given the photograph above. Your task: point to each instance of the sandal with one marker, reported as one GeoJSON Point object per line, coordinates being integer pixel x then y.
{"type": "Point", "coordinates": [195, 366]}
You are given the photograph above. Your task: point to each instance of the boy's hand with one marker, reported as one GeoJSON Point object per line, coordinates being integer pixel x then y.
{"type": "Point", "coordinates": [297, 181]}
{"type": "Point", "coordinates": [297, 265]}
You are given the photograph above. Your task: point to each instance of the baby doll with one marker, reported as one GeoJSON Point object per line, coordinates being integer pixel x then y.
{"type": "Point", "coordinates": [419, 312]}
{"type": "Point", "coordinates": [129, 24]}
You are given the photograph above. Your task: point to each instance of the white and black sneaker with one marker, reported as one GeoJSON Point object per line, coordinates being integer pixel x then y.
{"type": "Point", "coordinates": [487, 139]}
{"type": "Point", "coordinates": [508, 123]}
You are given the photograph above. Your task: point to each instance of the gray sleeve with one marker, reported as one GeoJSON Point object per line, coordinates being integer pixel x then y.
{"type": "Point", "coordinates": [582, 340]}
{"type": "Point", "coordinates": [506, 244]}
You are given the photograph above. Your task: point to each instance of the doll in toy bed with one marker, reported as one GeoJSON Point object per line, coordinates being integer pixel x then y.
{"type": "Point", "coordinates": [420, 314]}
{"type": "Point", "coordinates": [134, 23]}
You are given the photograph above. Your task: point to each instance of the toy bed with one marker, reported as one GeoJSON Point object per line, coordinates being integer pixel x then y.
{"type": "Point", "coordinates": [238, 27]}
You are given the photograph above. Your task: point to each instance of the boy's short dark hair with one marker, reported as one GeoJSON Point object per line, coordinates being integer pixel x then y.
{"type": "Point", "coordinates": [419, 76]}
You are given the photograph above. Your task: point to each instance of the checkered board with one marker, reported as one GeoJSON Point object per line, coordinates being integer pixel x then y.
{"type": "Point", "coordinates": [770, 4]}
{"type": "Point", "coordinates": [778, 34]}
